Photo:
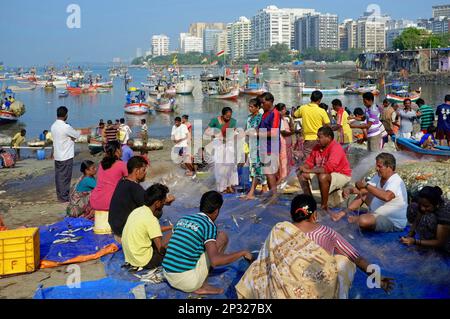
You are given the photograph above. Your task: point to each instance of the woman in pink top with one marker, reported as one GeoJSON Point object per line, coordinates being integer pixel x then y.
{"type": "Point", "coordinates": [286, 158]}
{"type": "Point", "coordinates": [111, 170]}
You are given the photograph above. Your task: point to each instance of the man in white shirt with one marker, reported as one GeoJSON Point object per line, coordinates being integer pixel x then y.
{"type": "Point", "coordinates": [386, 196]}
{"type": "Point", "coordinates": [180, 136]}
{"type": "Point", "coordinates": [64, 137]}
{"type": "Point", "coordinates": [124, 132]}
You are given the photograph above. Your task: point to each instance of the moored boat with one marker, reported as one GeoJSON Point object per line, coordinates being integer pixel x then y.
{"type": "Point", "coordinates": [164, 106]}
{"type": "Point", "coordinates": [7, 117]}
{"type": "Point", "coordinates": [309, 90]}
{"type": "Point", "coordinates": [136, 108]}
{"type": "Point", "coordinates": [412, 147]}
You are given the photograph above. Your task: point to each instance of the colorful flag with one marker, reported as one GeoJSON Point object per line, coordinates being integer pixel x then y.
{"type": "Point", "coordinates": [1, 66]}
{"type": "Point", "coordinates": [175, 60]}
{"type": "Point", "coordinates": [205, 60]}
{"type": "Point", "coordinates": [214, 62]}
{"type": "Point", "coordinates": [256, 70]}
{"type": "Point", "coordinates": [246, 68]}
{"type": "Point", "coordinates": [220, 53]}
{"type": "Point", "coordinates": [228, 72]}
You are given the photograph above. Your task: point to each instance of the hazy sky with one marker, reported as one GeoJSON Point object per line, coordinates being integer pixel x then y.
{"type": "Point", "coordinates": [35, 31]}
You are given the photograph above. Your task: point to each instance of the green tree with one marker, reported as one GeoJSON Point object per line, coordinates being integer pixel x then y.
{"type": "Point", "coordinates": [264, 57]}
{"type": "Point", "coordinates": [279, 53]}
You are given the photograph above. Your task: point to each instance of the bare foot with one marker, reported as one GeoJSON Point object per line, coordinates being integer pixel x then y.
{"type": "Point", "coordinates": [209, 290]}
{"type": "Point", "coordinates": [337, 216]}
{"type": "Point", "coordinates": [353, 219]}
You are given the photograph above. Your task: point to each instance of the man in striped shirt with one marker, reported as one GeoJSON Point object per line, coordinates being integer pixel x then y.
{"type": "Point", "coordinates": [195, 246]}
{"type": "Point", "coordinates": [426, 115]}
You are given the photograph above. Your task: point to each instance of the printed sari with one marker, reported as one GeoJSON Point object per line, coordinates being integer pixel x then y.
{"type": "Point", "coordinates": [290, 266]}
{"type": "Point", "coordinates": [79, 203]}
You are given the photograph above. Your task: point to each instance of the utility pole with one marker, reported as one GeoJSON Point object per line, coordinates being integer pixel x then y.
{"type": "Point", "coordinates": [430, 53]}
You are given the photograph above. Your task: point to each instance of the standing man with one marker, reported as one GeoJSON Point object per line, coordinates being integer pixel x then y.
{"type": "Point", "coordinates": [443, 125]}
{"type": "Point", "coordinates": [18, 140]}
{"type": "Point", "coordinates": [270, 157]}
{"type": "Point", "coordinates": [64, 137]}
{"type": "Point", "coordinates": [373, 123]}
{"type": "Point", "coordinates": [389, 118]}
{"type": "Point", "coordinates": [407, 117]}
{"type": "Point", "coordinates": [124, 132]}
{"type": "Point", "coordinates": [342, 126]}
{"type": "Point", "coordinates": [313, 118]}
{"type": "Point", "coordinates": [426, 115]}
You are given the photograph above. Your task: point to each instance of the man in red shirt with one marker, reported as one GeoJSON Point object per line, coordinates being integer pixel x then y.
{"type": "Point", "coordinates": [329, 163]}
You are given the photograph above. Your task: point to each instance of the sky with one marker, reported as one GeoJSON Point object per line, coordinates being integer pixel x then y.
{"type": "Point", "coordinates": [36, 33]}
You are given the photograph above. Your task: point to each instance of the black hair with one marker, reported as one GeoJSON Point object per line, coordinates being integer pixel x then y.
{"type": "Point", "coordinates": [136, 162]}
{"type": "Point", "coordinates": [255, 102]}
{"type": "Point", "coordinates": [155, 193]}
{"type": "Point", "coordinates": [336, 102]}
{"type": "Point", "coordinates": [358, 112]}
{"type": "Point", "coordinates": [447, 98]}
{"type": "Point", "coordinates": [405, 100]}
{"type": "Point", "coordinates": [178, 119]}
{"type": "Point", "coordinates": [420, 102]}
{"type": "Point", "coordinates": [388, 160]}
{"type": "Point", "coordinates": [301, 201]}
{"type": "Point", "coordinates": [369, 96]}
{"type": "Point", "coordinates": [122, 121]}
{"type": "Point", "coordinates": [327, 131]}
{"type": "Point", "coordinates": [186, 117]}
{"type": "Point", "coordinates": [386, 101]}
{"type": "Point", "coordinates": [431, 129]}
{"type": "Point", "coordinates": [143, 121]}
{"type": "Point", "coordinates": [62, 112]}
{"type": "Point", "coordinates": [316, 96]}
{"type": "Point", "coordinates": [110, 157]}
{"type": "Point", "coordinates": [23, 131]}
{"type": "Point", "coordinates": [432, 194]}
{"type": "Point", "coordinates": [280, 106]}
{"type": "Point", "coordinates": [226, 109]}
{"type": "Point", "coordinates": [45, 132]}
{"type": "Point", "coordinates": [323, 106]}
{"type": "Point", "coordinates": [210, 202]}
{"type": "Point", "coordinates": [109, 122]}
{"type": "Point", "coordinates": [85, 165]}
{"type": "Point", "coordinates": [267, 96]}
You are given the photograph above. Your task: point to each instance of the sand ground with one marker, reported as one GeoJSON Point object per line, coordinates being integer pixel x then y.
{"type": "Point", "coordinates": [28, 197]}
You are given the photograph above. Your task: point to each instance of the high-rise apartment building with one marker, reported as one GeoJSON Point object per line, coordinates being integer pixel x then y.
{"type": "Point", "coordinates": [239, 38]}
{"type": "Point", "coordinates": [160, 45]}
{"type": "Point", "coordinates": [189, 43]}
{"type": "Point", "coordinates": [318, 31]}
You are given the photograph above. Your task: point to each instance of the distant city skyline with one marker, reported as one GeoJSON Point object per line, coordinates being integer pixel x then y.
{"type": "Point", "coordinates": [37, 33]}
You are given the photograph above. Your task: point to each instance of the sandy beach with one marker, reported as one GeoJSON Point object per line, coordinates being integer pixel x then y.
{"type": "Point", "coordinates": [28, 198]}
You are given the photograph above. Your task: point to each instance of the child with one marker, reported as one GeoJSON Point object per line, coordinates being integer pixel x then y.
{"type": "Point", "coordinates": [428, 141]}
{"type": "Point", "coordinates": [81, 192]}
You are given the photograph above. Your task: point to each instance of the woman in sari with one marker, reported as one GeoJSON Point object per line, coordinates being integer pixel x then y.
{"type": "Point", "coordinates": [253, 122]}
{"type": "Point", "coordinates": [304, 260]}
{"type": "Point", "coordinates": [286, 159]}
{"type": "Point", "coordinates": [81, 192]}
{"type": "Point", "coordinates": [225, 168]}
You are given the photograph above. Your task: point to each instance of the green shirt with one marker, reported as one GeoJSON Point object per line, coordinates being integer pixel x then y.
{"type": "Point", "coordinates": [427, 117]}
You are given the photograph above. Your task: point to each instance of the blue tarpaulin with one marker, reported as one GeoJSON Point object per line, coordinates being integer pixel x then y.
{"type": "Point", "coordinates": [89, 244]}
{"type": "Point", "coordinates": [418, 274]}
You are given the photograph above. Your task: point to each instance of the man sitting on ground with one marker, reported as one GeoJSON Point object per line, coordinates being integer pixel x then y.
{"type": "Point", "coordinates": [128, 195]}
{"type": "Point", "coordinates": [143, 243]}
{"type": "Point", "coordinates": [195, 246]}
{"type": "Point", "coordinates": [386, 196]}
{"type": "Point", "coordinates": [329, 163]}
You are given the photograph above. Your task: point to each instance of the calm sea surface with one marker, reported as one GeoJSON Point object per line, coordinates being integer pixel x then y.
{"type": "Point", "coordinates": [86, 110]}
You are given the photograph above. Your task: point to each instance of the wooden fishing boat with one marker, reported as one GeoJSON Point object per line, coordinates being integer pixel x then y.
{"type": "Point", "coordinates": [253, 90]}
{"type": "Point", "coordinates": [220, 88]}
{"type": "Point", "coordinates": [136, 108]}
{"type": "Point", "coordinates": [7, 117]}
{"type": "Point", "coordinates": [164, 106]}
{"type": "Point", "coordinates": [412, 147]}
{"type": "Point", "coordinates": [309, 90]}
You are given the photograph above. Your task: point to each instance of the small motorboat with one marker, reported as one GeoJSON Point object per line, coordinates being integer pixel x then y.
{"type": "Point", "coordinates": [164, 106]}
{"type": "Point", "coordinates": [293, 84]}
{"type": "Point", "coordinates": [7, 117]}
{"type": "Point", "coordinates": [412, 146]}
{"type": "Point", "coordinates": [309, 90]}
{"type": "Point", "coordinates": [63, 94]}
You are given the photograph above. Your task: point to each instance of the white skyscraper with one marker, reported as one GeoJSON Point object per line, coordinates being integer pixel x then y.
{"type": "Point", "coordinates": [318, 31]}
{"type": "Point", "coordinates": [189, 43]}
{"type": "Point", "coordinates": [160, 45]}
{"type": "Point", "coordinates": [349, 34]}
{"type": "Point", "coordinates": [371, 35]}
{"type": "Point", "coordinates": [240, 37]}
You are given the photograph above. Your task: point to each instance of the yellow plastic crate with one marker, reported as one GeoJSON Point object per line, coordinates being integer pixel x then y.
{"type": "Point", "coordinates": [19, 251]}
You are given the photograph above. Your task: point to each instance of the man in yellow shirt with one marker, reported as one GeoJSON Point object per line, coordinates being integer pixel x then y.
{"type": "Point", "coordinates": [142, 240]}
{"type": "Point", "coordinates": [313, 118]}
{"type": "Point", "coordinates": [345, 133]}
{"type": "Point", "coordinates": [17, 140]}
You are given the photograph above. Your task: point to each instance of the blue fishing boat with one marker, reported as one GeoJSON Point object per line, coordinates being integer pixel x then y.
{"type": "Point", "coordinates": [412, 146]}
